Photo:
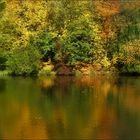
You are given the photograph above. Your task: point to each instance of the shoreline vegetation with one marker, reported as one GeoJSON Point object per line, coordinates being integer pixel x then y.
{"type": "Point", "coordinates": [69, 37]}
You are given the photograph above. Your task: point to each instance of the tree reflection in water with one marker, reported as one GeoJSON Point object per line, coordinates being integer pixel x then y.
{"type": "Point", "coordinates": [68, 107]}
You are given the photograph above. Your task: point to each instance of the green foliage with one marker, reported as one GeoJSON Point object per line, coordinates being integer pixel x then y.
{"type": "Point", "coordinates": [76, 32]}
{"type": "Point", "coordinates": [129, 57]}
{"type": "Point", "coordinates": [24, 61]}
{"type": "Point", "coordinates": [78, 47]}
{"type": "Point", "coordinates": [130, 29]}
{"type": "Point", "coordinates": [46, 45]}
{"type": "Point", "coordinates": [68, 32]}
{"type": "Point", "coordinates": [125, 27]}
{"type": "Point", "coordinates": [3, 60]}
{"type": "Point", "coordinates": [2, 5]}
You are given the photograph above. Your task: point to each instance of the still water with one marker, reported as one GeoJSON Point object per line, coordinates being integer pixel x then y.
{"type": "Point", "coordinates": [70, 108]}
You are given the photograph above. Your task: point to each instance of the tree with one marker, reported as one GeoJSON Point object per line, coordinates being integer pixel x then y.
{"type": "Point", "coordinates": [2, 5]}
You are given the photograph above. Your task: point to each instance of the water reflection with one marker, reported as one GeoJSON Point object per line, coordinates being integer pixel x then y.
{"type": "Point", "coordinates": [70, 107]}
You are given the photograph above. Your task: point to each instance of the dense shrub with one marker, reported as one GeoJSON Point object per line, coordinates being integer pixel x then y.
{"type": "Point", "coordinates": [81, 41]}
{"type": "Point", "coordinates": [123, 27]}
{"type": "Point", "coordinates": [3, 60]}
{"type": "Point", "coordinates": [128, 60]}
{"type": "Point", "coordinates": [24, 61]}
{"type": "Point", "coordinates": [77, 47]}
{"type": "Point", "coordinates": [46, 45]}
{"type": "Point", "coordinates": [2, 5]}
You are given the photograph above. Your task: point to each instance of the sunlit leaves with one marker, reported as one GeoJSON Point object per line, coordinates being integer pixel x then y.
{"type": "Point", "coordinates": [27, 17]}
{"type": "Point", "coordinates": [70, 31]}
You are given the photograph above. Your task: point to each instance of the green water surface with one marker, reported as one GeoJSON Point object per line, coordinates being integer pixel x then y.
{"type": "Point", "coordinates": [70, 108]}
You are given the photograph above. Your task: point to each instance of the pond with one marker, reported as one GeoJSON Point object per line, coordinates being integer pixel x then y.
{"type": "Point", "coordinates": [99, 107]}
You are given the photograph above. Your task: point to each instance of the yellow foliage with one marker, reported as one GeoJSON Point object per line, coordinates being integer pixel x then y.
{"type": "Point", "coordinates": [105, 62]}
{"type": "Point", "coordinates": [28, 17]}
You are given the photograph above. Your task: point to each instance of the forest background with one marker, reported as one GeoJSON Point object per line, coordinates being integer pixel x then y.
{"type": "Point", "coordinates": [69, 37]}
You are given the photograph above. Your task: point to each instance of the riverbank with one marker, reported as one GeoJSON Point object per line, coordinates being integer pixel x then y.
{"type": "Point", "coordinates": [61, 69]}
